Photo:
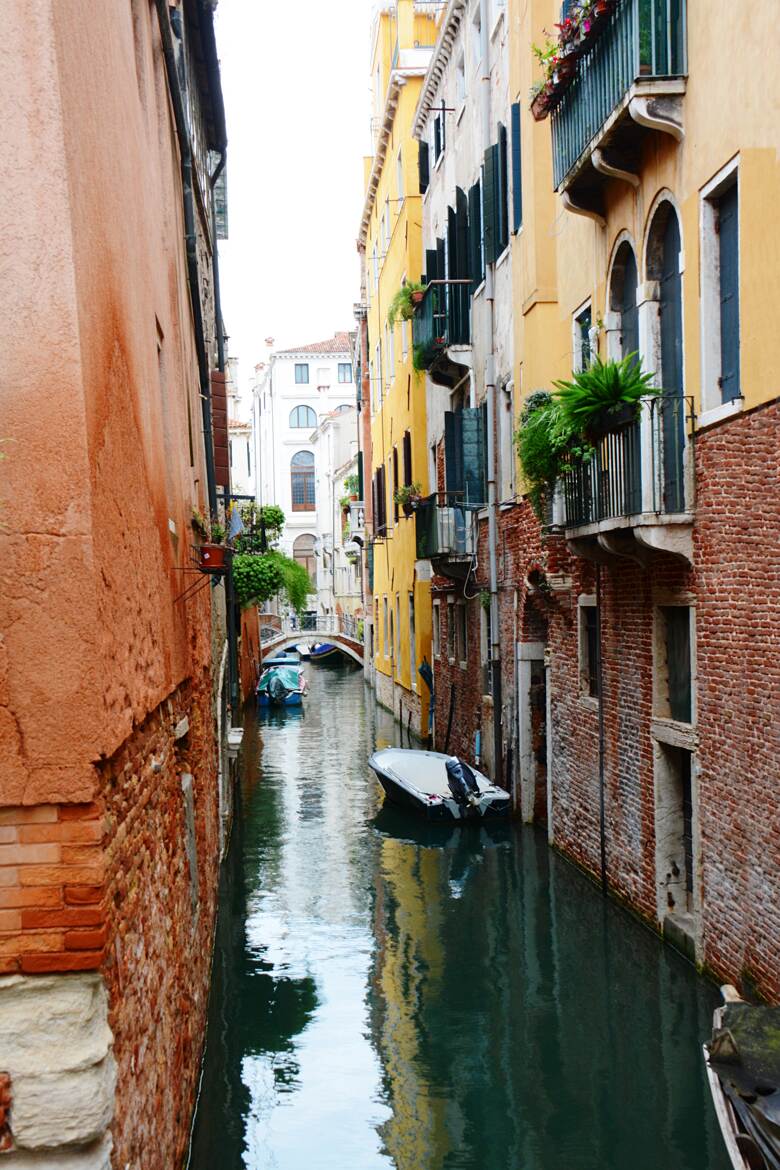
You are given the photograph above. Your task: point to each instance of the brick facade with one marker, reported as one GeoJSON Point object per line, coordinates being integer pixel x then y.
{"type": "Point", "coordinates": [734, 588]}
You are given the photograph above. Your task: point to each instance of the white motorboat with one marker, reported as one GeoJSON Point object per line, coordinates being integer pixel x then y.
{"type": "Point", "coordinates": [438, 786]}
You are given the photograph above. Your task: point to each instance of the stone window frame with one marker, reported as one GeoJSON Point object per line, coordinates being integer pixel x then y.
{"type": "Point", "coordinates": [586, 698]}
{"type": "Point", "coordinates": [436, 629]}
{"type": "Point", "coordinates": [665, 728]}
{"type": "Point", "coordinates": [713, 409]}
{"type": "Point", "coordinates": [451, 642]}
{"type": "Point", "coordinates": [461, 633]}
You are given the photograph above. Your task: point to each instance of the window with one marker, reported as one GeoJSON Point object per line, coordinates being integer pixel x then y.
{"type": "Point", "coordinates": [343, 407]}
{"type": "Point", "coordinates": [506, 446]}
{"type": "Point", "coordinates": [380, 502]}
{"type": "Point", "coordinates": [412, 646]}
{"type": "Point", "coordinates": [302, 417]}
{"type": "Point", "coordinates": [407, 449]}
{"type": "Point", "coordinates": [451, 630]}
{"type": "Point", "coordinates": [375, 263]}
{"type": "Point", "coordinates": [390, 353]}
{"type": "Point", "coordinates": [461, 632]}
{"type": "Point", "coordinates": [622, 298]}
{"type": "Point", "coordinates": [385, 638]}
{"type": "Point", "coordinates": [460, 81]}
{"type": "Point", "coordinates": [436, 634]}
{"type": "Point", "coordinates": [399, 178]}
{"type": "Point", "coordinates": [475, 38]}
{"type": "Point", "coordinates": [303, 553]}
{"type": "Point", "coordinates": [581, 350]}
{"type": "Point", "coordinates": [378, 372]}
{"type": "Point", "coordinates": [404, 339]}
{"type": "Point", "coordinates": [396, 484]}
{"type": "Point", "coordinates": [673, 658]}
{"type": "Point", "coordinates": [302, 481]}
{"type": "Point", "coordinates": [391, 643]}
{"type": "Point", "coordinates": [345, 372]}
{"type": "Point", "coordinates": [589, 647]}
{"type": "Point", "coordinates": [439, 136]}
{"type": "Point", "coordinates": [323, 376]}
{"type": "Point", "coordinates": [398, 630]}
{"type": "Point", "coordinates": [720, 289]}
{"type": "Point", "coordinates": [248, 458]}
{"type": "Point", "coordinates": [495, 213]}
{"type": "Point", "coordinates": [301, 373]}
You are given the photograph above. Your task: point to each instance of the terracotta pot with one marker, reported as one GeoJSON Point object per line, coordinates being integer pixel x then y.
{"type": "Point", "coordinates": [211, 557]}
{"type": "Point", "coordinates": [417, 297]}
{"type": "Point", "coordinates": [603, 7]}
{"type": "Point", "coordinates": [565, 67]}
{"type": "Point", "coordinates": [540, 106]}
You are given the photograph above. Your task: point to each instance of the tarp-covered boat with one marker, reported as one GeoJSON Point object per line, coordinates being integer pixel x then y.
{"type": "Point", "coordinates": [438, 786]}
{"type": "Point", "coordinates": [324, 652]}
{"type": "Point", "coordinates": [281, 686]}
{"type": "Point", "coordinates": [743, 1068]}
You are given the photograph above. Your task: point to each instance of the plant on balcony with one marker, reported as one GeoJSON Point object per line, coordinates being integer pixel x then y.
{"type": "Point", "coordinates": [604, 396]}
{"type": "Point", "coordinates": [351, 486]}
{"type": "Point", "coordinates": [262, 528]}
{"type": "Point", "coordinates": [408, 497]}
{"type": "Point", "coordinates": [200, 524]}
{"type": "Point", "coordinates": [257, 577]}
{"type": "Point", "coordinates": [545, 442]}
{"type": "Point", "coordinates": [423, 356]}
{"type": "Point", "coordinates": [217, 532]}
{"type": "Point", "coordinates": [404, 302]}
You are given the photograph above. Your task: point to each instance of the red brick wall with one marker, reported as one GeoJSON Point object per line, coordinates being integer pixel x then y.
{"type": "Point", "coordinates": [737, 550]}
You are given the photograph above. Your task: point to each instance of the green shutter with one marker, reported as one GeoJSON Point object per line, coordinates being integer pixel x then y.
{"type": "Point", "coordinates": [453, 452]}
{"type": "Point", "coordinates": [423, 161]}
{"type": "Point", "coordinates": [431, 268]}
{"type": "Point", "coordinates": [360, 475]}
{"type": "Point", "coordinates": [490, 175]}
{"type": "Point", "coordinates": [473, 443]}
{"type": "Point", "coordinates": [502, 192]}
{"type": "Point", "coordinates": [517, 171]}
{"type": "Point", "coordinates": [475, 236]}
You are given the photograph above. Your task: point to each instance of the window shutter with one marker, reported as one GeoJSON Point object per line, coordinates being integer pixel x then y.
{"type": "Point", "coordinates": [453, 453]}
{"type": "Point", "coordinates": [489, 204]}
{"type": "Point", "coordinates": [502, 193]}
{"type": "Point", "coordinates": [517, 176]}
{"type": "Point", "coordinates": [360, 475]}
{"type": "Point", "coordinates": [728, 208]}
{"type": "Point", "coordinates": [431, 268]}
{"type": "Point", "coordinates": [424, 164]}
{"type": "Point", "coordinates": [475, 236]}
{"type": "Point", "coordinates": [441, 270]}
{"type": "Point", "coordinates": [474, 442]}
{"type": "Point", "coordinates": [407, 459]}
{"type": "Point", "coordinates": [461, 292]}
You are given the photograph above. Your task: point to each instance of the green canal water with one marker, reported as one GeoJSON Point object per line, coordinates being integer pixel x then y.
{"type": "Point", "coordinates": [386, 996]}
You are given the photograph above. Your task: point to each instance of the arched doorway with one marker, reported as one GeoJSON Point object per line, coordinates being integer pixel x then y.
{"type": "Point", "coordinates": [663, 266]}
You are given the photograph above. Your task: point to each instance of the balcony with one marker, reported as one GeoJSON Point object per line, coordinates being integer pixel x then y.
{"type": "Point", "coordinates": [635, 495]}
{"type": "Point", "coordinates": [446, 535]}
{"type": "Point", "coordinates": [441, 320]}
{"type": "Point", "coordinates": [356, 521]}
{"type": "Point", "coordinates": [629, 84]}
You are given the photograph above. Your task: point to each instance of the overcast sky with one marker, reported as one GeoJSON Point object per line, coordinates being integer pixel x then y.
{"type": "Point", "coordinates": [296, 82]}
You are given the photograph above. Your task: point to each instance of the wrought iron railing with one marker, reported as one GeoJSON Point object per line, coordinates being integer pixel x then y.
{"type": "Point", "coordinates": [639, 468]}
{"type": "Point", "coordinates": [644, 40]}
{"type": "Point", "coordinates": [444, 527]}
{"type": "Point", "coordinates": [442, 318]}
{"type": "Point", "coordinates": [330, 623]}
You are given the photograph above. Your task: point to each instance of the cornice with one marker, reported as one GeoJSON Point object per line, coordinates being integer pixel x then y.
{"type": "Point", "coordinates": [440, 60]}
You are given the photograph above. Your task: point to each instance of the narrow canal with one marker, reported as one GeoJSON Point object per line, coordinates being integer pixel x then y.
{"type": "Point", "coordinates": [390, 997]}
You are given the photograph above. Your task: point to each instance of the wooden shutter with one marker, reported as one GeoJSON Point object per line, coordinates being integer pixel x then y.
{"type": "Point", "coordinates": [453, 454]}
{"type": "Point", "coordinates": [461, 292]}
{"type": "Point", "coordinates": [431, 267]}
{"type": "Point", "coordinates": [396, 484]}
{"type": "Point", "coordinates": [728, 224]}
{"type": "Point", "coordinates": [473, 431]}
{"type": "Point", "coordinates": [502, 192]}
{"type": "Point", "coordinates": [489, 204]}
{"type": "Point", "coordinates": [517, 176]}
{"type": "Point", "coordinates": [424, 165]}
{"type": "Point", "coordinates": [475, 236]}
{"type": "Point", "coordinates": [407, 459]}
{"type": "Point", "coordinates": [360, 476]}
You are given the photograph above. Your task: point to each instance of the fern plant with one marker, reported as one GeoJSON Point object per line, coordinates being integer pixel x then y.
{"type": "Point", "coordinates": [402, 305]}
{"type": "Point", "coordinates": [600, 390]}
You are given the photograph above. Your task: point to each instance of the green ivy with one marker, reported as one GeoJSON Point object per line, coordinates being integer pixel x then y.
{"type": "Point", "coordinates": [259, 577]}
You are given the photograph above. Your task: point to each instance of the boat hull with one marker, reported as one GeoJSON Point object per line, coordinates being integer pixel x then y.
{"type": "Point", "coordinates": [437, 806]}
{"type": "Point", "coordinates": [326, 653]}
{"type": "Point", "coordinates": [293, 700]}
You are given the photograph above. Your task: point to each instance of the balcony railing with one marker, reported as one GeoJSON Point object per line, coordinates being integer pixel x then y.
{"type": "Point", "coordinates": [442, 318]}
{"type": "Point", "coordinates": [638, 469]}
{"type": "Point", "coordinates": [644, 41]}
{"type": "Point", "coordinates": [444, 528]}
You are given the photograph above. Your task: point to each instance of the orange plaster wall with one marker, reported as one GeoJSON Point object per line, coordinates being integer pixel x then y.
{"type": "Point", "coordinates": [93, 421]}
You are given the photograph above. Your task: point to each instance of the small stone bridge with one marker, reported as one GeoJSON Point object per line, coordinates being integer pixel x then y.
{"type": "Point", "coordinates": [340, 629]}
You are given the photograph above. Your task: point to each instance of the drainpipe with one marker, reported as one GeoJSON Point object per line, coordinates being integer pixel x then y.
{"type": "Point", "coordinates": [602, 737]}
{"type": "Point", "coordinates": [490, 391]}
{"type": "Point", "coordinates": [185, 152]}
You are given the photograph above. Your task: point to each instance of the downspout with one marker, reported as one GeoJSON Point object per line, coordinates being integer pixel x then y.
{"type": "Point", "coordinates": [602, 736]}
{"type": "Point", "coordinates": [490, 392]}
{"type": "Point", "coordinates": [185, 152]}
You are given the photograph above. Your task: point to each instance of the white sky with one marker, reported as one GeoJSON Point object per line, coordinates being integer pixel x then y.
{"type": "Point", "coordinates": [295, 76]}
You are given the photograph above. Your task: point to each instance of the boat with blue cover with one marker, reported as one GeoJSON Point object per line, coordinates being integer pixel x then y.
{"type": "Point", "coordinates": [324, 652]}
{"type": "Point", "coordinates": [281, 685]}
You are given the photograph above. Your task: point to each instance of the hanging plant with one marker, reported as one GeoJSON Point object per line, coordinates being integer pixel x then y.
{"type": "Point", "coordinates": [603, 396]}
{"type": "Point", "coordinates": [405, 301]}
{"type": "Point", "coordinates": [545, 442]}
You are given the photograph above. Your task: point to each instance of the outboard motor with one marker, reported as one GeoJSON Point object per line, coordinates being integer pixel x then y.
{"type": "Point", "coordinates": [463, 783]}
{"type": "Point", "coordinates": [277, 691]}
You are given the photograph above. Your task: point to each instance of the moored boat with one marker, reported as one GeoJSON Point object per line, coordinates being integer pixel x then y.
{"type": "Point", "coordinates": [281, 685]}
{"type": "Point", "coordinates": [324, 652]}
{"type": "Point", "coordinates": [743, 1070]}
{"type": "Point", "coordinates": [438, 786]}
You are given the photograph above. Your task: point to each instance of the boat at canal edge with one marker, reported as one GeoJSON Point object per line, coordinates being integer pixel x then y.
{"type": "Point", "coordinates": [437, 786]}
{"type": "Point", "coordinates": [281, 684]}
{"type": "Point", "coordinates": [743, 1070]}
{"type": "Point", "coordinates": [324, 652]}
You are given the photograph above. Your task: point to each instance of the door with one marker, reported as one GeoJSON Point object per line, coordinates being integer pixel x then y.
{"type": "Point", "coordinates": [671, 406]}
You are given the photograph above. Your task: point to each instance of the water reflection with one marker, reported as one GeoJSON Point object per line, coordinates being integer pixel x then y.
{"type": "Point", "coordinates": [390, 993]}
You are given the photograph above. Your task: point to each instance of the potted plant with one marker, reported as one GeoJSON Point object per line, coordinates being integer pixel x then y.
{"type": "Point", "coordinates": [405, 301]}
{"type": "Point", "coordinates": [351, 485]}
{"type": "Point", "coordinates": [408, 497]}
{"type": "Point", "coordinates": [604, 396]}
{"type": "Point", "coordinates": [200, 524]}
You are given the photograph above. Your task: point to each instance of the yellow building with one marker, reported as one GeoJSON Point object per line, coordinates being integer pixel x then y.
{"type": "Point", "coordinates": [391, 243]}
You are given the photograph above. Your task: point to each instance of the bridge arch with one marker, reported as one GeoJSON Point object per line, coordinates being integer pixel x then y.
{"type": "Point", "coordinates": [349, 646]}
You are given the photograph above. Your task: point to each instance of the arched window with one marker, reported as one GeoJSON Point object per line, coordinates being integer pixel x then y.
{"type": "Point", "coordinates": [622, 298]}
{"type": "Point", "coordinates": [343, 407]}
{"type": "Point", "coordinates": [302, 481]}
{"type": "Point", "coordinates": [303, 416]}
{"type": "Point", "coordinates": [663, 265]}
{"type": "Point", "coordinates": [303, 553]}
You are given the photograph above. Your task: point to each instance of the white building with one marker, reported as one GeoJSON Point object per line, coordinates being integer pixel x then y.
{"type": "Point", "coordinates": [240, 441]}
{"type": "Point", "coordinates": [292, 394]}
{"type": "Point", "coordinates": [339, 517]}
{"type": "Point", "coordinates": [465, 123]}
